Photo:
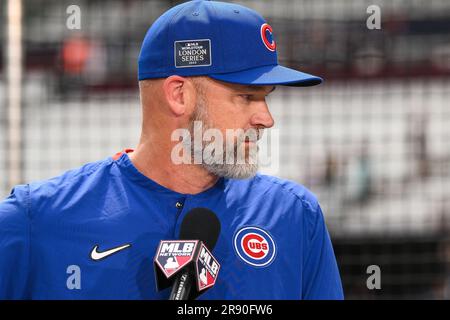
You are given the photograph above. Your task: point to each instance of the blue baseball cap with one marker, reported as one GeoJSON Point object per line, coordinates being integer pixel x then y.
{"type": "Point", "coordinates": [224, 41]}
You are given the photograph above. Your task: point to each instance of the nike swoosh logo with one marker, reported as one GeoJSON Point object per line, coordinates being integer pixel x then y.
{"type": "Point", "coordinates": [95, 255]}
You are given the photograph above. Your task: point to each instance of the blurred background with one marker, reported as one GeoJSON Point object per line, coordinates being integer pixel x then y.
{"type": "Point", "coordinates": [372, 142]}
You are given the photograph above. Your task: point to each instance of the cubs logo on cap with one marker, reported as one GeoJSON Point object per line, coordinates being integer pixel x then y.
{"type": "Point", "coordinates": [266, 32]}
{"type": "Point", "coordinates": [254, 246]}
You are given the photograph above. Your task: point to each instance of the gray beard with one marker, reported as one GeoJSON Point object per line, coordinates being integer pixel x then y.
{"type": "Point", "coordinates": [243, 170]}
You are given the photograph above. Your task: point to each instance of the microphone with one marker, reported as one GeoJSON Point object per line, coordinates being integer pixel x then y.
{"type": "Point", "coordinates": [201, 224]}
{"type": "Point", "coordinates": [189, 259]}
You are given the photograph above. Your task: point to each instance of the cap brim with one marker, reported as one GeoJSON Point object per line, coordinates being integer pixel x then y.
{"type": "Point", "coordinates": [269, 75]}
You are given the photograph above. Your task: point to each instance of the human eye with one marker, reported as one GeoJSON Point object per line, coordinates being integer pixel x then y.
{"type": "Point", "coordinates": [246, 97]}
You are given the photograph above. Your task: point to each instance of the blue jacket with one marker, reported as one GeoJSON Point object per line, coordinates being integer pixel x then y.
{"type": "Point", "coordinates": [273, 242]}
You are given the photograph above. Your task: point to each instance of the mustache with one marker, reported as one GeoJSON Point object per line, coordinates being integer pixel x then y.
{"type": "Point", "coordinates": [252, 135]}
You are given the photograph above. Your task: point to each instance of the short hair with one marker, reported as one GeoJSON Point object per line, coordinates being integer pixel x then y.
{"type": "Point", "coordinates": [146, 83]}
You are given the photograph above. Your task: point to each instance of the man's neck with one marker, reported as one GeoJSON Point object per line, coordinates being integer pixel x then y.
{"type": "Point", "coordinates": [182, 178]}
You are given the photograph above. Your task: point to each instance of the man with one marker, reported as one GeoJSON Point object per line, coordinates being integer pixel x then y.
{"type": "Point", "coordinates": [92, 232]}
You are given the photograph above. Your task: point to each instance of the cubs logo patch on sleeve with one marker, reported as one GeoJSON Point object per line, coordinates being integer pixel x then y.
{"type": "Point", "coordinates": [254, 246]}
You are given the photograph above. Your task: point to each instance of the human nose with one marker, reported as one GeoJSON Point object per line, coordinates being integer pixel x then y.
{"type": "Point", "coordinates": [262, 117]}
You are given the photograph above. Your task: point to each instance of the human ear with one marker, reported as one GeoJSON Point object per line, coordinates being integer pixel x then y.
{"type": "Point", "coordinates": [174, 88]}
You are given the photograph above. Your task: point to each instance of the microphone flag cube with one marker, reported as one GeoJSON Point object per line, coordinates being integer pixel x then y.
{"type": "Point", "coordinates": [175, 256]}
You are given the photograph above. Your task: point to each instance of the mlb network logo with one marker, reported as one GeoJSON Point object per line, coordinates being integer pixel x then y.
{"type": "Point", "coordinates": [174, 255]}
{"type": "Point", "coordinates": [173, 248]}
{"type": "Point", "coordinates": [207, 269]}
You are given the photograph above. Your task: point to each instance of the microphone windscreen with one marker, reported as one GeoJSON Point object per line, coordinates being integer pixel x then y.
{"type": "Point", "coordinates": [201, 224]}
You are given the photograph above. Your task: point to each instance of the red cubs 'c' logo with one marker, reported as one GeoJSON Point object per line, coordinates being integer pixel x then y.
{"type": "Point", "coordinates": [271, 45]}
{"type": "Point", "coordinates": [255, 246]}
